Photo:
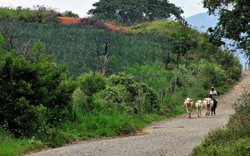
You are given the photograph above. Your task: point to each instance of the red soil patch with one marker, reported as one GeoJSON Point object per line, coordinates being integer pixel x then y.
{"type": "Point", "coordinates": [71, 20]}
{"type": "Point", "coordinates": [114, 27]}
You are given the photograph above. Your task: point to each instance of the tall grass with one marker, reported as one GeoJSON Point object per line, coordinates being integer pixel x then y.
{"type": "Point", "coordinates": [10, 146]}
{"type": "Point", "coordinates": [103, 124]}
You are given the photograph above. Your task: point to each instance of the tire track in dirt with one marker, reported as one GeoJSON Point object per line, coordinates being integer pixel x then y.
{"type": "Point", "coordinates": [171, 137]}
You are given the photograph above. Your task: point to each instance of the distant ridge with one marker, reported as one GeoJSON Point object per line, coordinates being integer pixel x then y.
{"type": "Point", "coordinates": [202, 21]}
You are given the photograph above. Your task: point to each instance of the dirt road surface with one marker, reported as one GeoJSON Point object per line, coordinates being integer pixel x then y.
{"type": "Point", "coordinates": [171, 137]}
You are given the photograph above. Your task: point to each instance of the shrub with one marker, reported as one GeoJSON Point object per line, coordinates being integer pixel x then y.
{"type": "Point", "coordinates": [79, 105]}
{"type": "Point", "coordinates": [140, 98]}
{"type": "Point", "coordinates": [28, 89]}
{"type": "Point", "coordinates": [240, 121]}
{"type": "Point", "coordinates": [113, 97]}
{"type": "Point", "coordinates": [91, 83]}
{"type": "Point", "coordinates": [113, 123]}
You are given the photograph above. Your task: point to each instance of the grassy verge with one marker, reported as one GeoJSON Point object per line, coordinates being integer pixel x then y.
{"type": "Point", "coordinates": [98, 125]}
{"type": "Point", "coordinates": [10, 146]}
{"type": "Point", "coordinates": [239, 147]}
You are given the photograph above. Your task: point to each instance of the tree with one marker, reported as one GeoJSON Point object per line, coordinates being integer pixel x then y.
{"type": "Point", "coordinates": [70, 14]}
{"type": "Point", "coordinates": [181, 45]}
{"type": "Point", "coordinates": [234, 18]}
{"type": "Point", "coordinates": [130, 11]}
{"type": "Point", "coordinates": [30, 88]}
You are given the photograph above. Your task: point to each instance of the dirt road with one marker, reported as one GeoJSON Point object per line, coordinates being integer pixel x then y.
{"type": "Point", "coordinates": [172, 137]}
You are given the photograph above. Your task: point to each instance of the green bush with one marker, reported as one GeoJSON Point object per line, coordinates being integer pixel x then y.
{"type": "Point", "coordinates": [154, 76]}
{"type": "Point", "coordinates": [29, 89]}
{"type": "Point", "coordinates": [230, 64]}
{"type": "Point", "coordinates": [239, 123]}
{"type": "Point", "coordinates": [113, 97]}
{"type": "Point", "coordinates": [79, 105]}
{"type": "Point", "coordinates": [91, 83]}
{"type": "Point", "coordinates": [140, 97]}
{"type": "Point", "coordinates": [111, 124]}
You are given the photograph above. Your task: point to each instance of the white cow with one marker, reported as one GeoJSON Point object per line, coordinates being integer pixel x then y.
{"type": "Point", "coordinates": [199, 106]}
{"type": "Point", "coordinates": [208, 104]}
{"type": "Point", "coordinates": [188, 104]}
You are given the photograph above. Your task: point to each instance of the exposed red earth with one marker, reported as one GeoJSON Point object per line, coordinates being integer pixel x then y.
{"type": "Point", "coordinates": [73, 20]}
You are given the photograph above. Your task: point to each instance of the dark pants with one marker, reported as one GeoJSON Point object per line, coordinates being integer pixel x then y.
{"type": "Point", "coordinates": [215, 102]}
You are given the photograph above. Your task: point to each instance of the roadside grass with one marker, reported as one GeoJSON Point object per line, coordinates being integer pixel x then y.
{"type": "Point", "coordinates": [98, 125]}
{"type": "Point", "coordinates": [240, 147]}
{"type": "Point", "coordinates": [10, 146]}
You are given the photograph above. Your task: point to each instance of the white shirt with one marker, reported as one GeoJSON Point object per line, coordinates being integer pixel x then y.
{"type": "Point", "coordinates": [213, 92]}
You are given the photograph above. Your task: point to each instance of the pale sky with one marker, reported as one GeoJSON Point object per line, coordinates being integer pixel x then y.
{"type": "Point", "coordinates": [81, 7]}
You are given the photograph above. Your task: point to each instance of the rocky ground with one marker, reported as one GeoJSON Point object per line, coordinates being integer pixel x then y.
{"type": "Point", "coordinates": [171, 137]}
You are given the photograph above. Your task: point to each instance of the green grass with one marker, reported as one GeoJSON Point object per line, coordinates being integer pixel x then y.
{"type": "Point", "coordinates": [100, 125]}
{"type": "Point", "coordinates": [15, 14]}
{"type": "Point", "coordinates": [97, 125]}
{"type": "Point", "coordinates": [161, 27]}
{"type": "Point", "coordinates": [13, 147]}
{"type": "Point", "coordinates": [240, 147]}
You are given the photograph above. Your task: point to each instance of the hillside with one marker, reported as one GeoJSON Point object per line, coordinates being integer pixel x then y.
{"type": "Point", "coordinates": [81, 79]}
{"type": "Point", "coordinates": [76, 45]}
{"type": "Point", "coordinates": [165, 44]}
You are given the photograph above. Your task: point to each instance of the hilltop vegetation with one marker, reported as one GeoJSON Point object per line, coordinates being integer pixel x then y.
{"type": "Point", "coordinates": [53, 74]}
{"type": "Point", "coordinates": [39, 14]}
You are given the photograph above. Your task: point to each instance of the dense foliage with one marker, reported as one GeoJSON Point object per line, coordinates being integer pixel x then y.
{"type": "Point", "coordinates": [130, 12]}
{"type": "Point", "coordinates": [30, 89]}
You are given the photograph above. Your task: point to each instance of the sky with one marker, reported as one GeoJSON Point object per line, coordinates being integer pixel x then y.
{"type": "Point", "coordinates": [81, 7]}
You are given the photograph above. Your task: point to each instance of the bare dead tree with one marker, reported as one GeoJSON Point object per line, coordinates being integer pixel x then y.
{"type": "Point", "coordinates": [11, 34]}
{"type": "Point", "coordinates": [103, 60]}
